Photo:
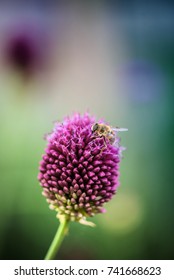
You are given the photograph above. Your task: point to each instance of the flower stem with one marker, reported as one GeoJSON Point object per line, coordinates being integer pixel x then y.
{"type": "Point", "coordinates": [60, 234]}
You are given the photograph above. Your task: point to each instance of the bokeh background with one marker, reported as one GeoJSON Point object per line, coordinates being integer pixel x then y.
{"type": "Point", "coordinates": [115, 59]}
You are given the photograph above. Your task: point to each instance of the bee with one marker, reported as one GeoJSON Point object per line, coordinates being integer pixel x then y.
{"type": "Point", "coordinates": [106, 131]}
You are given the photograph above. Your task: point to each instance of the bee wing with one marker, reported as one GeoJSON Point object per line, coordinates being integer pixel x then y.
{"type": "Point", "coordinates": [116, 129]}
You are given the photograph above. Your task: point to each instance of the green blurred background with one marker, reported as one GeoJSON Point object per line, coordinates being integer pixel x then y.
{"type": "Point", "coordinates": [115, 60]}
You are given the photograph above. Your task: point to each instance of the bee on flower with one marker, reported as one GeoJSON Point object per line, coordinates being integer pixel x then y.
{"type": "Point", "coordinates": [104, 131]}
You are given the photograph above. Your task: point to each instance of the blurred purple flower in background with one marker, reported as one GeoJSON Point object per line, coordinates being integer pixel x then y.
{"type": "Point", "coordinates": [24, 50]}
{"type": "Point", "coordinates": [144, 80]}
{"type": "Point", "coordinates": [28, 37]}
{"type": "Point", "coordinates": [79, 172]}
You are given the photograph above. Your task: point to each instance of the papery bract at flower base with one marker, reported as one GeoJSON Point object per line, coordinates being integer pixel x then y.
{"type": "Point", "coordinates": [79, 172]}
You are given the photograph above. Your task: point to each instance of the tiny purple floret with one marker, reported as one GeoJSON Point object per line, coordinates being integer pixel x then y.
{"type": "Point", "coordinates": [79, 172]}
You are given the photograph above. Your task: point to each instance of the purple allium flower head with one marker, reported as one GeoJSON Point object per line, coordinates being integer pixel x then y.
{"type": "Point", "coordinates": [79, 170]}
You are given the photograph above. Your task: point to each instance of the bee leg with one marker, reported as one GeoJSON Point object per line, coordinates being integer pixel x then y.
{"type": "Point", "coordinates": [105, 146]}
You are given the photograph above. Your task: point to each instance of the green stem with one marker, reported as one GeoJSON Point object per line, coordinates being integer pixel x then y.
{"type": "Point", "coordinates": [60, 234]}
